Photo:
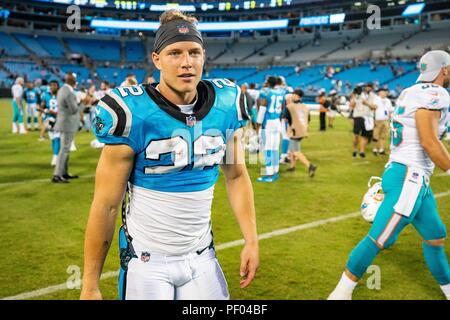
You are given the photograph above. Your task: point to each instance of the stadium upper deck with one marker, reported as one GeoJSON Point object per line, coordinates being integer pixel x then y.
{"type": "Point", "coordinates": [35, 42]}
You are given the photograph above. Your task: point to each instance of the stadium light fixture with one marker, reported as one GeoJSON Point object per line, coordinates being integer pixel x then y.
{"type": "Point", "coordinates": [168, 6]}
{"type": "Point", "coordinates": [413, 9]}
{"type": "Point", "coordinates": [243, 25]}
{"type": "Point", "coordinates": [202, 26]}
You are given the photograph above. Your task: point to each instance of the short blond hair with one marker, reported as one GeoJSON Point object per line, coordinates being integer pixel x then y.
{"type": "Point", "coordinates": [175, 14]}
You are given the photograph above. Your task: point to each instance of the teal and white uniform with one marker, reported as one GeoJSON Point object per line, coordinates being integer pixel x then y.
{"type": "Point", "coordinates": [17, 93]}
{"type": "Point", "coordinates": [406, 184]}
{"type": "Point", "coordinates": [269, 118]}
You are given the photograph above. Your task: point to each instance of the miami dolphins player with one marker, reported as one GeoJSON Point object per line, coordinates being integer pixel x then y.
{"type": "Point", "coordinates": [271, 102]}
{"type": "Point", "coordinates": [17, 104]}
{"type": "Point", "coordinates": [164, 143]}
{"type": "Point", "coordinates": [416, 128]}
{"type": "Point", "coordinates": [49, 109]}
{"type": "Point", "coordinates": [31, 98]}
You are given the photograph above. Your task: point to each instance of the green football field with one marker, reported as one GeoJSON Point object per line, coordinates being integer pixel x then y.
{"type": "Point", "coordinates": [42, 224]}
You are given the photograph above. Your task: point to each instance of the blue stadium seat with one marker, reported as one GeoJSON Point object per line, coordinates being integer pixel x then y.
{"type": "Point", "coordinates": [134, 51]}
{"type": "Point", "coordinates": [11, 47]}
{"type": "Point", "coordinates": [31, 43]}
{"type": "Point", "coordinates": [96, 49]}
{"type": "Point", "coordinates": [53, 46]}
{"type": "Point", "coordinates": [29, 70]}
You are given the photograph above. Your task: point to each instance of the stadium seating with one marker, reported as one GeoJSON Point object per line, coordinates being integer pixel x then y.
{"type": "Point", "coordinates": [237, 73]}
{"type": "Point", "coordinates": [134, 51]}
{"type": "Point", "coordinates": [238, 51]}
{"type": "Point", "coordinates": [83, 74]}
{"type": "Point", "coordinates": [416, 45]}
{"type": "Point", "coordinates": [403, 81]}
{"type": "Point", "coordinates": [117, 75]}
{"type": "Point", "coordinates": [52, 45]}
{"type": "Point", "coordinates": [5, 81]}
{"type": "Point", "coordinates": [29, 70]}
{"type": "Point", "coordinates": [11, 47]}
{"type": "Point", "coordinates": [96, 49]}
{"type": "Point", "coordinates": [31, 43]}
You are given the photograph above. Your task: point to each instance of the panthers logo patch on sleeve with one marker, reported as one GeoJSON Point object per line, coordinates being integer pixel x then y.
{"type": "Point", "coordinates": [99, 124]}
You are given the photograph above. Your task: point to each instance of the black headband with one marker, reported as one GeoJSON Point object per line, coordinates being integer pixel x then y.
{"type": "Point", "coordinates": [175, 31]}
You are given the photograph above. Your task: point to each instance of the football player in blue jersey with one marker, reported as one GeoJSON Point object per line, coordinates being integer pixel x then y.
{"type": "Point", "coordinates": [49, 109]}
{"type": "Point", "coordinates": [164, 142]}
{"type": "Point", "coordinates": [271, 103]}
{"type": "Point", "coordinates": [31, 98]}
{"type": "Point", "coordinates": [42, 87]}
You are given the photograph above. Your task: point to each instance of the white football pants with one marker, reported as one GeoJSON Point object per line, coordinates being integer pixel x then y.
{"type": "Point", "coordinates": [192, 276]}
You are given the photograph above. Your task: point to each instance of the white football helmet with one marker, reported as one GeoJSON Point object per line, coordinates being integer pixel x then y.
{"type": "Point", "coordinates": [372, 200]}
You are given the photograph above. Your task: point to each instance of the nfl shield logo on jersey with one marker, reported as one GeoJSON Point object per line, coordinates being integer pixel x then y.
{"type": "Point", "coordinates": [99, 124]}
{"type": "Point", "coordinates": [145, 257]}
{"type": "Point", "coordinates": [183, 29]}
{"type": "Point", "coordinates": [191, 121]}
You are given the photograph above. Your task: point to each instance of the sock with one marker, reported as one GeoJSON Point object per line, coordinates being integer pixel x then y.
{"type": "Point", "coordinates": [56, 145]}
{"type": "Point", "coordinates": [268, 162]}
{"type": "Point", "coordinates": [284, 147]}
{"type": "Point", "coordinates": [29, 122]}
{"type": "Point", "coordinates": [362, 256]}
{"type": "Point", "coordinates": [275, 160]}
{"type": "Point", "coordinates": [346, 284]}
{"type": "Point", "coordinates": [14, 127]}
{"type": "Point", "coordinates": [21, 127]}
{"type": "Point", "coordinates": [437, 262]}
{"type": "Point", "coordinates": [446, 290]}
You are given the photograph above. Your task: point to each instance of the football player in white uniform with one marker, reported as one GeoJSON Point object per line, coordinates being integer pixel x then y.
{"type": "Point", "coordinates": [418, 124]}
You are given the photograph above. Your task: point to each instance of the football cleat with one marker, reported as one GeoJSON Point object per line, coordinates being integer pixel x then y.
{"type": "Point", "coordinates": [271, 178]}
{"type": "Point", "coordinates": [340, 295]}
{"type": "Point", "coordinates": [312, 170]}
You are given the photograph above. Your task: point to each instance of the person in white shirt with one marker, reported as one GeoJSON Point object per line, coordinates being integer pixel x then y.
{"type": "Point", "coordinates": [130, 80]}
{"type": "Point", "coordinates": [382, 116]}
{"type": "Point", "coordinates": [17, 93]}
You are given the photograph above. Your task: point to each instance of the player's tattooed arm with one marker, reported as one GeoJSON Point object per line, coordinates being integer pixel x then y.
{"type": "Point", "coordinates": [240, 195]}
{"type": "Point", "coordinates": [111, 177]}
{"type": "Point", "coordinates": [427, 126]}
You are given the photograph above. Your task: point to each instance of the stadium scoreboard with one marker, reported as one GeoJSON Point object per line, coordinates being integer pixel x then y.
{"type": "Point", "coordinates": [188, 7]}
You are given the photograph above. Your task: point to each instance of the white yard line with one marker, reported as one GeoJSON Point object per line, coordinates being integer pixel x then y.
{"type": "Point", "coordinates": [231, 244]}
{"type": "Point", "coordinates": [18, 183]}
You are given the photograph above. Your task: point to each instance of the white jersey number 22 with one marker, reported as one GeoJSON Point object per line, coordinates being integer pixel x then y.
{"type": "Point", "coordinates": [207, 150]}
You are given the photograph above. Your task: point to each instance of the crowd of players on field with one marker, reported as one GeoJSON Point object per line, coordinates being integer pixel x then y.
{"type": "Point", "coordinates": [368, 107]}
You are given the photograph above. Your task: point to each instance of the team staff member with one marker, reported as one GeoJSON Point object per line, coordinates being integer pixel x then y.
{"type": "Point", "coordinates": [362, 122]}
{"type": "Point", "coordinates": [296, 114]}
{"type": "Point", "coordinates": [382, 116]}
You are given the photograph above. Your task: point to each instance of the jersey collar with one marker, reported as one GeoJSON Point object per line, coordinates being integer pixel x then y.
{"type": "Point", "coordinates": [206, 97]}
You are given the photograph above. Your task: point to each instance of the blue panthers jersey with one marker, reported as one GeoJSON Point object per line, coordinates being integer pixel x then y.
{"type": "Point", "coordinates": [31, 95]}
{"type": "Point", "coordinates": [275, 99]}
{"type": "Point", "coordinates": [50, 103]}
{"type": "Point", "coordinates": [42, 90]}
{"type": "Point", "coordinates": [175, 152]}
